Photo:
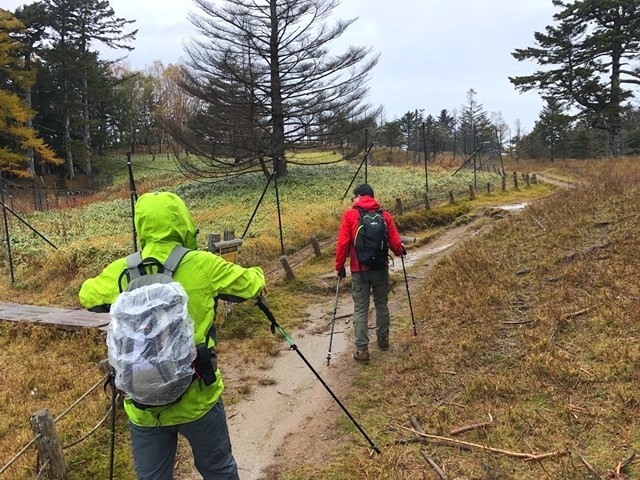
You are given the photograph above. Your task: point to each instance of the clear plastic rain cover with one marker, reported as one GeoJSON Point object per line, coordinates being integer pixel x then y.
{"type": "Point", "coordinates": [151, 344]}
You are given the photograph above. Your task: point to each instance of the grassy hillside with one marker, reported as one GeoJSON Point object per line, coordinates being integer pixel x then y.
{"type": "Point", "coordinates": [532, 328]}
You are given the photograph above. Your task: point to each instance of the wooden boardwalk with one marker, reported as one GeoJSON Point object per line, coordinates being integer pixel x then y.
{"type": "Point", "coordinates": [65, 318]}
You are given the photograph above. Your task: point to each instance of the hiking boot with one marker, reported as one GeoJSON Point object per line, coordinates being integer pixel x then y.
{"type": "Point", "coordinates": [362, 356]}
{"type": "Point", "coordinates": [383, 343]}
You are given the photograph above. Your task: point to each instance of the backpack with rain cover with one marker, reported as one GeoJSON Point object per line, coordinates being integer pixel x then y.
{"type": "Point", "coordinates": [372, 242]}
{"type": "Point", "coordinates": [150, 338]}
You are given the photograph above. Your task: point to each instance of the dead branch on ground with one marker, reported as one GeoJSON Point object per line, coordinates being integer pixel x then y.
{"type": "Point", "coordinates": [434, 465]}
{"type": "Point", "coordinates": [468, 428]}
{"type": "Point", "coordinates": [454, 442]}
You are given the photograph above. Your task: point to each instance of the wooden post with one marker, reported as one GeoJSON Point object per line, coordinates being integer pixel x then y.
{"type": "Point", "coordinates": [316, 246]}
{"type": "Point", "coordinates": [212, 239]}
{"type": "Point", "coordinates": [229, 248]}
{"type": "Point", "coordinates": [472, 192]}
{"type": "Point", "coordinates": [427, 203]}
{"type": "Point", "coordinates": [504, 183]}
{"type": "Point", "coordinates": [515, 180]}
{"type": "Point", "coordinates": [488, 188]}
{"type": "Point", "coordinates": [287, 267]}
{"type": "Point", "coordinates": [452, 197]}
{"type": "Point", "coordinates": [527, 179]}
{"type": "Point", "coordinates": [534, 178]}
{"type": "Point", "coordinates": [399, 206]}
{"type": "Point", "coordinates": [408, 240]}
{"type": "Point", "coordinates": [48, 442]}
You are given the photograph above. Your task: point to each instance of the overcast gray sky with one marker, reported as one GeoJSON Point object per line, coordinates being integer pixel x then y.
{"type": "Point", "coordinates": [432, 51]}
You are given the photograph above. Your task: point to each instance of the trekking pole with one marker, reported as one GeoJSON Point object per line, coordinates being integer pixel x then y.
{"type": "Point", "coordinates": [406, 282]}
{"type": "Point", "coordinates": [133, 197]}
{"type": "Point", "coordinates": [111, 383]}
{"type": "Point", "coordinates": [333, 322]}
{"type": "Point", "coordinates": [274, 325]}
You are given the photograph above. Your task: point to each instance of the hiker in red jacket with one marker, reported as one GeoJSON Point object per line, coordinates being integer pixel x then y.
{"type": "Point", "coordinates": [363, 226]}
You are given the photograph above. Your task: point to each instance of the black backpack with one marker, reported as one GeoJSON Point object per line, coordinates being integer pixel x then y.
{"type": "Point", "coordinates": [372, 239]}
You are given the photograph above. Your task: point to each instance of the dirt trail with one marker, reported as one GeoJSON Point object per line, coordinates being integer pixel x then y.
{"type": "Point", "coordinates": [295, 414]}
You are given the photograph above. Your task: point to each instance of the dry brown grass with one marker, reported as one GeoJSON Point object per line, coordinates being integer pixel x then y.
{"type": "Point", "coordinates": [535, 327]}
{"type": "Point", "coordinates": [568, 378]}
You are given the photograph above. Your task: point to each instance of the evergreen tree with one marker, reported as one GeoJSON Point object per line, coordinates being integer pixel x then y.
{"type": "Point", "coordinates": [584, 59]}
{"type": "Point", "coordinates": [553, 127]}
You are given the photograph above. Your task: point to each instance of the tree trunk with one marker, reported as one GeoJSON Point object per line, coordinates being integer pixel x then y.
{"type": "Point", "coordinates": [277, 113]}
{"type": "Point", "coordinates": [86, 138]}
{"type": "Point", "coordinates": [67, 132]}
{"type": "Point", "coordinates": [31, 167]}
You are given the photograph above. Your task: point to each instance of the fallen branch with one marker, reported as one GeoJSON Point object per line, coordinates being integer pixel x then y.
{"type": "Point", "coordinates": [516, 322]}
{"type": "Point", "coordinates": [468, 428]}
{"type": "Point", "coordinates": [435, 466]}
{"type": "Point", "coordinates": [406, 441]}
{"type": "Point", "coordinates": [539, 224]}
{"type": "Point", "coordinates": [416, 425]}
{"type": "Point", "coordinates": [452, 441]}
{"type": "Point", "coordinates": [576, 314]}
{"type": "Point", "coordinates": [624, 463]}
{"type": "Point", "coordinates": [592, 470]}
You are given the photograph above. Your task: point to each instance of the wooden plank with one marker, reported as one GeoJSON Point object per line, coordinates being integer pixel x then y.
{"type": "Point", "coordinates": [58, 317]}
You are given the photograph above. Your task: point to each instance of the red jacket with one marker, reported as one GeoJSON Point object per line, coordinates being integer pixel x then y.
{"type": "Point", "coordinates": [347, 234]}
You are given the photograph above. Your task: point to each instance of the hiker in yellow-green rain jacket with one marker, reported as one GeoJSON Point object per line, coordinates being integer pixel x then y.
{"type": "Point", "coordinates": [163, 221]}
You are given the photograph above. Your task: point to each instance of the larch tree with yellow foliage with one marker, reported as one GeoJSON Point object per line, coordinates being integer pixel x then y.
{"type": "Point", "coordinates": [17, 137]}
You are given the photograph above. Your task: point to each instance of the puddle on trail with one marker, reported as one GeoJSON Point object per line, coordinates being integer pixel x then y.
{"type": "Point", "coordinates": [514, 207]}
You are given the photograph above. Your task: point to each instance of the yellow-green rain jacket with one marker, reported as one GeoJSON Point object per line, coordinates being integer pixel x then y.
{"type": "Point", "coordinates": [163, 221]}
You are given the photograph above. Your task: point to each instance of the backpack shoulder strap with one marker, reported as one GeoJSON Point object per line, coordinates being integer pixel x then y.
{"type": "Point", "coordinates": [174, 259]}
{"type": "Point", "coordinates": [133, 261]}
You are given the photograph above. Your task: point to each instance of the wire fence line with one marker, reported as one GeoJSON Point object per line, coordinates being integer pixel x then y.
{"type": "Point", "coordinates": [38, 436]}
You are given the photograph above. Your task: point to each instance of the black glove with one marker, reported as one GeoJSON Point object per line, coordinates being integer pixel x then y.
{"type": "Point", "coordinates": [404, 251]}
{"type": "Point", "coordinates": [342, 273]}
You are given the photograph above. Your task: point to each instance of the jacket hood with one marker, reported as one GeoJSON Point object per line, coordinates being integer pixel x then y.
{"type": "Point", "coordinates": [368, 203]}
{"type": "Point", "coordinates": [162, 217]}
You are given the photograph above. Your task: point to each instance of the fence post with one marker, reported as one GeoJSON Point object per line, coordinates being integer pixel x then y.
{"type": "Point", "coordinates": [472, 192]}
{"type": "Point", "coordinates": [48, 442]}
{"type": "Point", "coordinates": [527, 179]}
{"type": "Point", "coordinates": [534, 178]}
{"type": "Point", "coordinates": [287, 268]}
{"type": "Point", "coordinates": [452, 197]}
{"type": "Point", "coordinates": [427, 202]}
{"type": "Point", "coordinates": [488, 188]}
{"type": "Point", "coordinates": [316, 246]}
{"type": "Point", "coordinates": [212, 239]}
{"type": "Point", "coordinates": [399, 206]}
{"type": "Point", "coordinates": [504, 183]}
{"type": "Point", "coordinates": [515, 180]}
{"type": "Point", "coordinates": [228, 248]}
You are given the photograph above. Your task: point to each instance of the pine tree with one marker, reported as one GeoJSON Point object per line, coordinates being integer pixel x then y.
{"type": "Point", "coordinates": [585, 59]}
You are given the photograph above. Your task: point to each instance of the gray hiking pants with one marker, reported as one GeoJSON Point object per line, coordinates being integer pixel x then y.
{"type": "Point", "coordinates": [154, 448]}
{"type": "Point", "coordinates": [362, 284]}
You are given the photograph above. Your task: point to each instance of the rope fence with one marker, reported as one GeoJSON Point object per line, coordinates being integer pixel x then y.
{"type": "Point", "coordinates": [46, 440]}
